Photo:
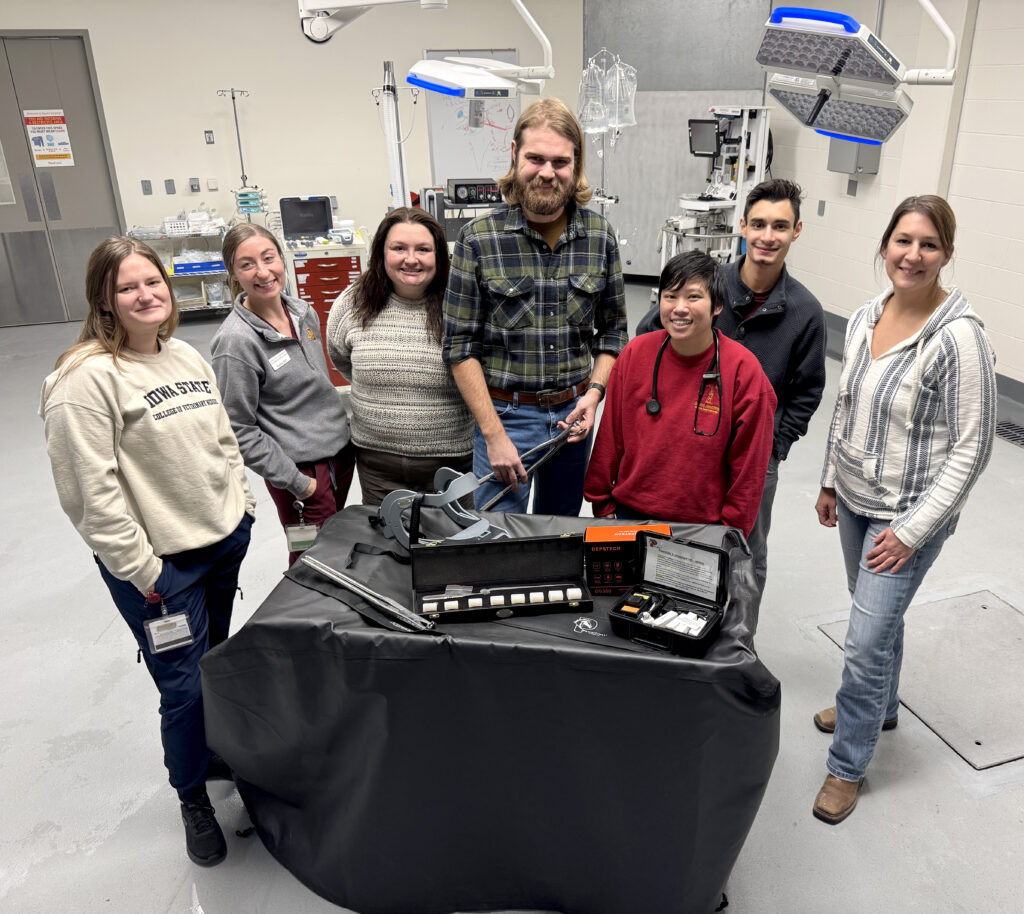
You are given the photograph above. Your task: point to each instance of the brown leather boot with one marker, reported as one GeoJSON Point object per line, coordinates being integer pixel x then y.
{"type": "Point", "coordinates": [836, 799]}
{"type": "Point", "coordinates": [825, 721]}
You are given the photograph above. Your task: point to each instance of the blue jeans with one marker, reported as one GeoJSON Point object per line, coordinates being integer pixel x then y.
{"type": "Point", "coordinates": [869, 692]}
{"type": "Point", "coordinates": [201, 583]}
{"type": "Point", "coordinates": [559, 482]}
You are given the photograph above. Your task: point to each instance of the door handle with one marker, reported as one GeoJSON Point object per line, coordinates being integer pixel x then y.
{"type": "Point", "coordinates": [28, 194]}
{"type": "Point", "coordinates": [49, 196]}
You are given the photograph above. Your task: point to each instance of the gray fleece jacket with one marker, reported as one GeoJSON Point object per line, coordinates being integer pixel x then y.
{"type": "Point", "coordinates": [283, 407]}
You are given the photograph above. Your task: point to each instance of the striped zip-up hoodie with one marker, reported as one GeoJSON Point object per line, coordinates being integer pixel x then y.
{"type": "Point", "coordinates": [913, 429]}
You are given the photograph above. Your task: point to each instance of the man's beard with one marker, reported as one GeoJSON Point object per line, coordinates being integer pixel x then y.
{"type": "Point", "coordinates": [542, 204]}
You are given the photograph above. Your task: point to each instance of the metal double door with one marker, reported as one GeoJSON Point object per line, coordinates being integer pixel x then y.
{"type": "Point", "coordinates": [51, 216]}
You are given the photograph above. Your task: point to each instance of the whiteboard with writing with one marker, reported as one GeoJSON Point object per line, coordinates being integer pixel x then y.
{"type": "Point", "coordinates": [458, 150]}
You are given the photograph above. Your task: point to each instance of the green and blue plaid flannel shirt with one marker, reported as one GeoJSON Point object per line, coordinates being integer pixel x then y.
{"type": "Point", "coordinates": [534, 317]}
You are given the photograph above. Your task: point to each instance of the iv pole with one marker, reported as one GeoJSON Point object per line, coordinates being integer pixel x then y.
{"type": "Point", "coordinates": [235, 93]}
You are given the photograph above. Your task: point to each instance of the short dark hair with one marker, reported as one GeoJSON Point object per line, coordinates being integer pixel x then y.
{"type": "Point", "coordinates": [373, 287]}
{"type": "Point", "coordinates": [693, 265]}
{"type": "Point", "coordinates": [774, 191]}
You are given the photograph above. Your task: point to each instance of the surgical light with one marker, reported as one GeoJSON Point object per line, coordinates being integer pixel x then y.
{"type": "Point", "coordinates": [847, 113]}
{"type": "Point", "coordinates": [834, 75]}
{"type": "Point", "coordinates": [466, 77]}
{"type": "Point", "coordinates": [803, 41]}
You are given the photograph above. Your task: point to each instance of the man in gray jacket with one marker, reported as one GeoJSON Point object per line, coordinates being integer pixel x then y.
{"type": "Point", "coordinates": [778, 320]}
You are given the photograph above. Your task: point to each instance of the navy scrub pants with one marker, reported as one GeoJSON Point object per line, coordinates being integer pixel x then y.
{"type": "Point", "coordinates": [201, 583]}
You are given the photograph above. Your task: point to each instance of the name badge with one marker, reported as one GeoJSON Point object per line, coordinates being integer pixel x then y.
{"type": "Point", "coordinates": [165, 633]}
{"type": "Point", "coordinates": [278, 359]}
{"type": "Point", "coordinates": [300, 536]}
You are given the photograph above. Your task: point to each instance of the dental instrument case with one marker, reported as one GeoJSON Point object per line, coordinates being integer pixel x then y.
{"type": "Point", "coordinates": [680, 602]}
{"type": "Point", "coordinates": [496, 579]}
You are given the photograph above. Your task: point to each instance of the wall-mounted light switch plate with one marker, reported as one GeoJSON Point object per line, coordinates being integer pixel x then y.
{"type": "Point", "coordinates": [169, 185]}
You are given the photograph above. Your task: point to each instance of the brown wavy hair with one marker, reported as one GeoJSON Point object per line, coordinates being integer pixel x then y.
{"type": "Point", "coordinates": [374, 287]}
{"type": "Point", "coordinates": [935, 208]}
{"type": "Point", "coordinates": [102, 330]}
{"type": "Point", "coordinates": [553, 113]}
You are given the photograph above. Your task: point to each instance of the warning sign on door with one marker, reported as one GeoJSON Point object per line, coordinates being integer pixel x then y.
{"type": "Point", "coordinates": [48, 137]}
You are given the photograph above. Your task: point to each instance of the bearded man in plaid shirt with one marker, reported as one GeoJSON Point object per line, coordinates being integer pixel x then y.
{"type": "Point", "coordinates": [535, 316]}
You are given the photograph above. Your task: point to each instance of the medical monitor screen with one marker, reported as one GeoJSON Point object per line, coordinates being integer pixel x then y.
{"type": "Point", "coordinates": [705, 139]}
{"type": "Point", "coordinates": [306, 218]}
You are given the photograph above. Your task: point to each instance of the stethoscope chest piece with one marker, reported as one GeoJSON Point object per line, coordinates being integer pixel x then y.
{"type": "Point", "coordinates": [712, 376]}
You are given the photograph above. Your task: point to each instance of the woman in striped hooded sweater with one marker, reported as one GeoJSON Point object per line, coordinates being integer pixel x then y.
{"type": "Point", "coordinates": [912, 431]}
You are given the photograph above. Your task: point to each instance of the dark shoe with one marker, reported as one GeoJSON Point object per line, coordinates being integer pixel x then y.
{"type": "Point", "coordinates": [836, 799]}
{"type": "Point", "coordinates": [203, 838]}
{"type": "Point", "coordinates": [825, 721]}
{"type": "Point", "coordinates": [218, 769]}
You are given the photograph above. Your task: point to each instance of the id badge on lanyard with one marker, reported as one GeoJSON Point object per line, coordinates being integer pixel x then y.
{"type": "Point", "coordinates": [168, 630]}
{"type": "Point", "coordinates": [300, 536]}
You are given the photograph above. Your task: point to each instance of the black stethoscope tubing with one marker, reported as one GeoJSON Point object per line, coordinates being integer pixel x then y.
{"type": "Point", "coordinates": [712, 375]}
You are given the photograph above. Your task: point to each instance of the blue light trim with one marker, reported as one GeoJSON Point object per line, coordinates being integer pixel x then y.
{"type": "Point", "coordinates": [798, 12]}
{"type": "Point", "coordinates": [851, 139]}
{"type": "Point", "coordinates": [434, 87]}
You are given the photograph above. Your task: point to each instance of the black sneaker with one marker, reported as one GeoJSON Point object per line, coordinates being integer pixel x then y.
{"type": "Point", "coordinates": [203, 837]}
{"type": "Point", "coordinates": [218, 769]}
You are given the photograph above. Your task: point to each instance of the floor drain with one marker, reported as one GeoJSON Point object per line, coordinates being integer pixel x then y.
{"type": "Point", "coordinates": [1010, 431]}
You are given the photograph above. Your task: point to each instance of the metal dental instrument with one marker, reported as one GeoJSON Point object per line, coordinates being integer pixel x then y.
{"type": "Point", "coordinates": [394, 610]}
{"type": "Point", "coordinates": [450, 487]}
{"type": "Point", "coordinates": [553, 443]}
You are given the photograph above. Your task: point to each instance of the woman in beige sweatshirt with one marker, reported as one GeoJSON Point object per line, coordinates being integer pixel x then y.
{"type": "Point", "coordinates": [148, 470]}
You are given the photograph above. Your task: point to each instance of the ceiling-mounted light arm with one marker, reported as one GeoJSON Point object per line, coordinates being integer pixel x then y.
{"type": "Point", "coordinates": [936, 77]}
{"type": "Point", "coordinates": [515, 71]}
{"type": "Point", "coordinates": [320, 20]}
{"type": "Point", "coordinates": [548, 70]}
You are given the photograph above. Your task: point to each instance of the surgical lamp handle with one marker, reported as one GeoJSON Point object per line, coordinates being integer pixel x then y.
{"type": "Point", "coordinates": [798, 12]}
{"type": "Point", "coordinates": [823, 96]}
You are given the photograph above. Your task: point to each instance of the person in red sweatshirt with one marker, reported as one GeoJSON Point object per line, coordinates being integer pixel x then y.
{"type": "Point", "coordinates": [687, 428]}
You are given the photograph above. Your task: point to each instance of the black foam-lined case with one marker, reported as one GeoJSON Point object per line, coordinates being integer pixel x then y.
{"type": "Point", "coordinates": [679, 576]}
{"type": "Point", "coordinates": [479, 581]}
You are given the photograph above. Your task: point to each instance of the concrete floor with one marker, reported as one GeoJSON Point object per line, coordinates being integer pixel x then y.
{"type": "Point", "coordinates": [90, 825]}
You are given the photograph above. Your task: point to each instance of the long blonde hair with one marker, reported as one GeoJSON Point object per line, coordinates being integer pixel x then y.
{"type": "Point", "coordinates": [553, 113]}
{"type": "Point", "coordinates": [102, 330]}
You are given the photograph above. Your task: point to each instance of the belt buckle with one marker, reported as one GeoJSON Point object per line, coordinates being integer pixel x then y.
{"type": "Point", "coordinates": [543, 395]}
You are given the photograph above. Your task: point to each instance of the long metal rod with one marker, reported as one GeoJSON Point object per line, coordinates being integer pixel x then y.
{"type": "Point", "coordinates": [238, 132]}
{"type": "Point", "coordinates": [389, 607]}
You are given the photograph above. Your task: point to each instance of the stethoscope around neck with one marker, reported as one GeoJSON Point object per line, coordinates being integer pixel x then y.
{"type": "Point", "coordinates": [713, 375]}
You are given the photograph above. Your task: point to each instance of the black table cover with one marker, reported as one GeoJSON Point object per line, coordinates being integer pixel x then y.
{"type": "Point", "coordinates": [539, 763]}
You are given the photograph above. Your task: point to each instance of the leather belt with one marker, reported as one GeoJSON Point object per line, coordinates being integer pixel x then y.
{"type": "Point", "coordinates": [541, 397]}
